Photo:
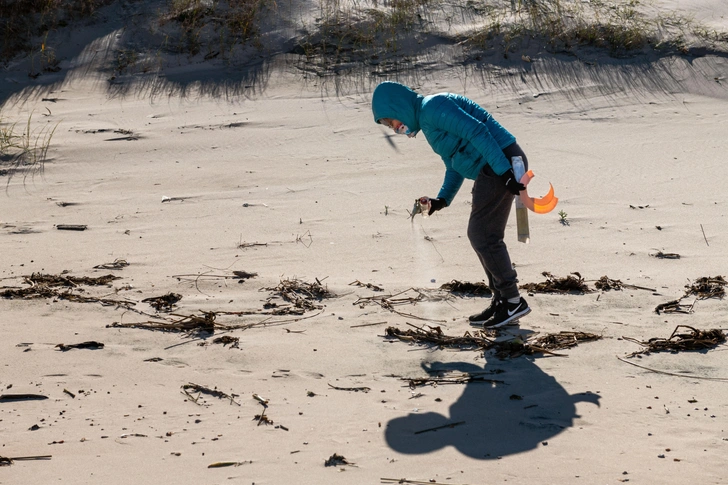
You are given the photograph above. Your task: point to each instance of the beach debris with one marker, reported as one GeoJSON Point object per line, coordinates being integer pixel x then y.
{"type": "Point", "coordinates": [369, 286]}
{"type": "Point", "coordinates": [117, 264]}
{"type": "Point", "coordinates": [226, 340]}
{"type": "Point", "coordinates": [261, 399]}
{"type": "Point", "coordinates": [605, 284]}
{"type": "Point", "coordinates": [466, 288]}
{"type": "Point", "coordinates": [337, 460]}
{"type": "Point", "coordinates": [172, 199]}
{"type": "Point", "coordinates": [480, 340]}
{"type": "Point", "coordinates": [574, 283]}
{"type": "Point", "coordinates": [187, 323]}
{"type": "Point", "coordinates": [262, 419]}
{"type": "Point", "coordinates": [66, 280]}
{"type": "Point", "coordinates": [428, 334]}
{"type": "Point", "coordinates": [367, 324]}
{"type": "Point", "coordinates": [243, 275]}
{"type": "Point", "coordinates": [245, 245]}
{"type": "Point", "coordinates": [661, 255]}
{"type": "Point", "coordinates": [186, 388]}
{"type": "Point", "coordinates": [388, 302]}
{"type": "Point", "coordinates": [303, 296]}
{"type": "Point", "coordinates": [47, 286]}
{"type": "Point", "coordinates": [133, 435]}
{"type": "Point", "coordinates": [352, 389]}
{"type": "Point", "coordinates": [674, 374]}
{"type": "Point", "coordinates": [674, 306]}
{"type": "Point", "coordinates": [707, 287]}
{"type": "Point", "coordinates": [164, 302]}
{"type": "Point", "coordinates": [7, 461]}
{"type": "Point", "coordinates": [22, 397]}
{"type": "Point", "coordinates": [412, 482]}
{"type": "Point", "coordinates": [222, 464]}
{"type": "Point", "coordinates": [71, 227]}
{"type": "Point", "coordinates": [91, 344]}
{"type": "Point", "coordinates": [154, 359]}
{"type": "Point", "coordinates": [462, 378]}
{"type": "Point", "coordinates": [66, 391]}
{"type": "Point", "coordinates": [678, 341]}
{"type": "Point", "coordinates": [449, 425]}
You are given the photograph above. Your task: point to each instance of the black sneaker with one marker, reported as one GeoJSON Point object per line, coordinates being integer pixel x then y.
{"type": "Point", "coordinates": [482, 317]}
{"type": "Point", "coordinates": [507, 313]}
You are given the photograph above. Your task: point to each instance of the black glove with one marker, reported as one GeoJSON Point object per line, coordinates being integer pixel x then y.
{"type": "Point", "coordinates": [513, 185]}
{"type": "Point", "coordinates": [436, 205]}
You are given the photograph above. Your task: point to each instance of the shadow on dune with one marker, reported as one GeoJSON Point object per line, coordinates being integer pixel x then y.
{"type": "Point", "coordinates": [96, 53]}
{"type": "Point", "coordinates": [492, 420]}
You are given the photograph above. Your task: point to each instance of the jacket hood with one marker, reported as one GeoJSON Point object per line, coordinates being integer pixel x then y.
{"type": "Point", "coordinates": [394, 100]}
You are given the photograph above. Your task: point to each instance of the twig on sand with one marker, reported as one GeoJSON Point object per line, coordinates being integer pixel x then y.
{"type": "Point", "coordinates": [368, 324]}
{"type": "Point", "coordinates": [7, 461]}
{"type": "Point", "coordinates": [222, 464]}
{"type": "Point", "coordinates": [449, 425]}
{"type": "Point", "coordinates": [388, 302]}
{"type": "Point", "coordinates": [354, 389]}
{"type": "Point", "coordinates": [704, 237]}
{"type": "Point", "coordinates": [674, 374]}
{"type": "Point", "coordinates": [413, 482]}
{"type": "Point", "coordinates": [21, 397]}
{"type": "Point", "coordinates": [206, 390]}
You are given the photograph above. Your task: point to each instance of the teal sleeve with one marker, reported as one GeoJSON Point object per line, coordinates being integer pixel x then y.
{"type": "Point", "coordinates": [456, 121]}
{"type": "Point", "coordinates": [450, 186]}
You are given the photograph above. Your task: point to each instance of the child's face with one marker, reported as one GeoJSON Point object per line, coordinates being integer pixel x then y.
{"type": "Point", "coordinates": [393, 124]}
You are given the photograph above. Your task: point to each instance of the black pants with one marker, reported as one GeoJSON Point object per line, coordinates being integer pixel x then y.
{"type": "Point", "coordinates": [486, 228]}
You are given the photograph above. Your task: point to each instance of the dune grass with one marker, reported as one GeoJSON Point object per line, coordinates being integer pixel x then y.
{"type": "Point", "coordinates": [23, 150]}
{"type": "Point", "coordinates": [366, 31]}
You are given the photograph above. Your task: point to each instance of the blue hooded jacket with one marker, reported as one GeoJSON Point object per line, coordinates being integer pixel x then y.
{"type": "Point", "coordinates": [464, 135]}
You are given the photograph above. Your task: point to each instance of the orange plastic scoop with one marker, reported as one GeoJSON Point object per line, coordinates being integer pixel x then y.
{"type": "Point", "coordinates": [541, 205]}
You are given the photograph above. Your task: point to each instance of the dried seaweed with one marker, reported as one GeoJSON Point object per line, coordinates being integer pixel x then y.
{"type": "Point", "coordinates": [5, 461]}
{"type": "Point", "coordinates": [573, 283]}
{"type": "Point", "coordinates": [336, 460]}
{"type": "Point", "coordinates": [466, 288]}
{"type": "Point", "coordinates": [369, 286]}
{"type": "Point", "coordinates": [189, 324]}
{"type": "Point", "coordinates": [244, 275]}
{"type": "Point", "coordinates": [72, 281]}
{"type": "Point", "coordinates": [55, 286]}
{"type": "Point", "coordinates": [605, 284]}
{"type": "Point", "coordinates": [301, 294]}
{"type": "Point", "coordinates": [694, 339]}
{"type": "Point", "coordinates": [707, 287]}
{"type": "Point", "coordinates": [91, 344]}
{"type": "Point", "coordinates": [226, 340]}
{"type": "Point", "coordinates": [661, 255]}
{"type": "Point", "coordinates": [481, 340]}
{"type": "Point", "coordinates": [435, 336]}
{"type": "Point", "coordinates": [117, 264]}
{"type": "Point", "coordinates": [186, 388]}
{"type": "Point", "coordinates": [164, 302]}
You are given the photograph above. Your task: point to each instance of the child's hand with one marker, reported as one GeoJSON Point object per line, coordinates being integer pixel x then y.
{"type": "Point", "coordinates": [513, 185]}
{"type": "Point", "coordinates": [436, 205]}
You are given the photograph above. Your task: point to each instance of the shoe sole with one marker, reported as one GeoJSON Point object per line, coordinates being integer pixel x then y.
{"type": "Point", "coordinates": [510, 319]}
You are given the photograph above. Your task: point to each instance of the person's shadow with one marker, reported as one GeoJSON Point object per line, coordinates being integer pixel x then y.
{"type": "Point", "coordinates": [491, 419]}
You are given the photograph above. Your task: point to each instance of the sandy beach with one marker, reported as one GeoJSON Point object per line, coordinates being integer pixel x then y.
{"type": "Point", "coordinates": [268, 215]}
